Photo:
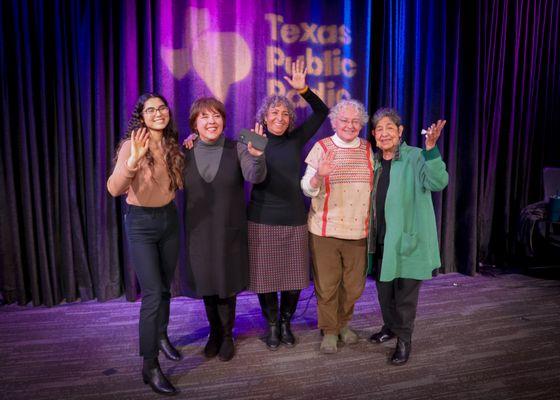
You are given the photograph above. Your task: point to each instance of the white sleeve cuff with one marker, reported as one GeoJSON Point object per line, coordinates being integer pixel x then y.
{"type": "Point", "coordinates": [306, 187]}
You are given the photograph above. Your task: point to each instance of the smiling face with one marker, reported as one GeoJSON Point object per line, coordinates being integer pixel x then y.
{"type": "Point", "coordinates": [348, 124]}
{"type": "Point", "coordinates": [155, 114]}
{"type": "Point", "coordinates": [387, 135]}
{"type": "Point", "coordinates": [209, 125]}
{"type": "Point", "coordinates": [277, 119]}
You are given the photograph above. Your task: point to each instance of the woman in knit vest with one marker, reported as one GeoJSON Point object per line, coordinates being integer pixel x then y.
{"type": "Point", "coordinates": [149, 170]}
{"type": "Point", "coordinates": [339, 178]}
{"type": "Point", "coordinates": [403, 242]}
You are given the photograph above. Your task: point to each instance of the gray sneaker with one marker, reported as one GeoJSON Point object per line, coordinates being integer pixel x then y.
{"type": "Point", "coordinates": [348, 336]}
{"type": "Point", "coordinates": [328, 345]}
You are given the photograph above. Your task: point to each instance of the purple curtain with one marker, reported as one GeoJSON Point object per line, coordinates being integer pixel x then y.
{"type": "Point", "coordinates": [71, 71]}
{"type": "Point", "coordinates": [491, 68]}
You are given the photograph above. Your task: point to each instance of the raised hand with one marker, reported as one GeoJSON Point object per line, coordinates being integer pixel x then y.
{"type": "Point", "coordinates": [433, 133]}
{"type": "Point", "coordinates": [326, 165]}
{"type": "Point", "coordinates": [299, 72]}
{"type": "Point", "coordinates": [259, 130]}
{"type": "Point", "coordinates": [139, 143]}
{"type": "Point", "coordinates": [188, 143]}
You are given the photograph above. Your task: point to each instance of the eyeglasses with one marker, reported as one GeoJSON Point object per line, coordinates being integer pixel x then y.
{"type": "Point", "coordinates": [354, 122]}
{"type": "Point", "coordinates": [163, 109]}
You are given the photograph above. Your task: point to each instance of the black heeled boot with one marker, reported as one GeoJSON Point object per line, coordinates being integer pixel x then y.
{"type": "Point", "coordinates": [215, 338]}
{"type": "Point", "coordinates": [226, 311]}
{"type": "Point", "coordinates": [167, 348]}
{"type": "Point", "coordinates": [402, 352]}
{"type": "Point", "coordinates": [288, 304]}
{"type": "Point", "coordinates": [153, 376]}
{"type": "Point", "coordinates": [269, 307]}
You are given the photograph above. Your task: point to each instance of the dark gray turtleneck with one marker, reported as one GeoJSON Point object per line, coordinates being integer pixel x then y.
{"type": "Point", "coordinates": [208, 156]}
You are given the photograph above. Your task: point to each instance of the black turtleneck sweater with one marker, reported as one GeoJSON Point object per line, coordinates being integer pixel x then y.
{"type": "Point", "coordinates": [278, 199]}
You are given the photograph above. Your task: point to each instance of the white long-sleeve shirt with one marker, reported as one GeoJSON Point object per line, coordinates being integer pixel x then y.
{"type": "Point", "coordinates": [310, 171]}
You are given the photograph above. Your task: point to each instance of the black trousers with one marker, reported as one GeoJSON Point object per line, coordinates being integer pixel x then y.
{"type": "Point", "coordinates": [398, 300]}
{"type": "Point", "coordinates": [153, 241]}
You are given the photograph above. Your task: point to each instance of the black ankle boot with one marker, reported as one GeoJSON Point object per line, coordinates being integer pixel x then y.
{"type": "Point", "coordinates": [402, 352]}
{"type": "Point", "coordinates": [227, 349]}
{"type": "Point", "coordinates": [215, 338]}
{"type": "Point", "coordinates": [226, 310]}
{"type": "Point", "coordinates": [212, 347]}
{"type": "Point", "coordinates": [273, 338]}
{"type": "Point", "coordinates": [153, 376]}
{"type": "Point", "coordinates": [167, 349]}
{"type": "Point", "coordinates": [269, 307]}
{"type": "Point", "coordinates": [286, 335]}
{"type": "Point", "coordinates": [288, 304]}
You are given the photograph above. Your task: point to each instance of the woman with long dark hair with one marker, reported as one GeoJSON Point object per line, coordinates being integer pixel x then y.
{"type": "Point", "coordinates": [148, 170]}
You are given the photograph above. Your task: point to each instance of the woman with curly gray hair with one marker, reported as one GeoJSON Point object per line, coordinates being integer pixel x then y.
{"type": "Point", "coordinates": [278, 252]}
{"type": "Point", "coordinates": [339, 179]}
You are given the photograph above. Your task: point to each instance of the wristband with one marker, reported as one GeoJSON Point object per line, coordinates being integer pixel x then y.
{"type": "Point", "coordinates": [304, 90]}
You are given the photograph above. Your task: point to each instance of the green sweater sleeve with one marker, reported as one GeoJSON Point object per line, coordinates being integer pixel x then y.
{"type": "Point", "coordinates": [432, 171]}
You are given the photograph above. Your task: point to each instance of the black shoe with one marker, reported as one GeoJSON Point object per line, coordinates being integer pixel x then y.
{"type": "Point", "coordinates": [402, 352]}
{"type": "Point", "coordinates": [227, 349]}
{"type": "Point", "coordinates": [286, 335]}
{"type": "Point", "coordinates": [384, 335]}
{"type": "Point", "coordinates": [212, 347]}
{"type": "Point", "coordinates": [168, 350]}
{"type": "Point", "coordinates": [273, 338]}
{"type": "Point", "coordinates": [152, 375]}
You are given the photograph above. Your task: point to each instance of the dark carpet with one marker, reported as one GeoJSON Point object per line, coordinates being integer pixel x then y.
{"type": "Point", "coordinates": [483, 337]}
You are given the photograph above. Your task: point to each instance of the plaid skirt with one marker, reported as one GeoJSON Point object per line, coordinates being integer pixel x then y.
{"type": "Point", "coordinates": [278, 258]}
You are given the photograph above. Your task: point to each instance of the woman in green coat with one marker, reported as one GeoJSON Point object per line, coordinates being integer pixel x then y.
{"type": "Point", "coordinates": [402, 243]}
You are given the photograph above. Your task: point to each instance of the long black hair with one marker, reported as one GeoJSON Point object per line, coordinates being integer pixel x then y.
{"type": "Point", "coordinates": [174, 158]}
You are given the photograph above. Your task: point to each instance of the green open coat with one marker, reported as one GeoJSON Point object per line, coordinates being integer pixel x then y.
{"type": "Point", "coordinates": [411, 247]}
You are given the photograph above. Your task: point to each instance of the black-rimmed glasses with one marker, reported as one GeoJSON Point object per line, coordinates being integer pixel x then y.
{"type": "Point", "coordinates": [163, 109]}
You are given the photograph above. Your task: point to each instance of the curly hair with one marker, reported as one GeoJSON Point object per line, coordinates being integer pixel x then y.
{"type": "Point", "coordinates": [346, 103]}
{"type": "Point", "coordinates": [174, 158]}
{"type": "Point", "coordinates": [273, 101]}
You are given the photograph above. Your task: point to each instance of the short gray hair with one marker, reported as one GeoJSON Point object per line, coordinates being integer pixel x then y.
{"type": "Point", "coordinates": [273, 101]}
{"type": "Point", "coordinates": [390, 113]}
{"type": "Point", "coordinates": [355, 104]}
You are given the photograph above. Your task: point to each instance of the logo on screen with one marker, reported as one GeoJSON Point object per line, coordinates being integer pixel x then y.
{"type": "Point", "coordinates": [220, 59]}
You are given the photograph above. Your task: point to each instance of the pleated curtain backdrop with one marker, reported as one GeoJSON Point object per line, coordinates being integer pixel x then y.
{"type": "Point", "coordinates": [68, 69]}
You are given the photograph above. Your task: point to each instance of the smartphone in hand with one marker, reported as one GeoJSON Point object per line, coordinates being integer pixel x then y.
{"type": "Point", "coordinates": [259, 142]}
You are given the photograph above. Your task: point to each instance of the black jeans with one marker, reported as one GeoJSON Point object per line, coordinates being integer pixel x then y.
{"type": "Point", "coordinates": [153, 240]}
